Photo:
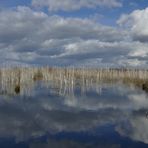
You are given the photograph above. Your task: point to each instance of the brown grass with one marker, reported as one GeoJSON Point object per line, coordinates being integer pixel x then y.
{"type": "Point", "coordinates": [17, 79]}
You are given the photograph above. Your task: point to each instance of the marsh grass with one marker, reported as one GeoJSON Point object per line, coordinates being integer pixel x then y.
{"type": "Point", "coordinates": [20, 80]}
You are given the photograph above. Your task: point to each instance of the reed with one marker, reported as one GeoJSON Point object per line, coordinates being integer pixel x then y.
{"type": "Point", "coordinates": [18, 80]}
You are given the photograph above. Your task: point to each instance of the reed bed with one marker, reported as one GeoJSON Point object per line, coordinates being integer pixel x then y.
{"type": "Point", "coordinates": [22, 80]}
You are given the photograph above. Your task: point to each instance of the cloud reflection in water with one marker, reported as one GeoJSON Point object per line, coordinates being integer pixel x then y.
{"type": "Point", "coordinates": [23, 117]}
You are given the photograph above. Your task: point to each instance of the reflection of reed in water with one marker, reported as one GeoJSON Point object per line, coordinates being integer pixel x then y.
{"type": "Point", "coordinates": [64, 80]}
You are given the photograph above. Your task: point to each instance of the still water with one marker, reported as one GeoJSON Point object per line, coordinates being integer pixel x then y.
{"type": "Point", "coordinates": [101, 116]}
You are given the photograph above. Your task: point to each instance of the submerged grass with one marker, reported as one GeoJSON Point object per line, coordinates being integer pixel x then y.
{"type": "Point", "coordinates": [17, 80]}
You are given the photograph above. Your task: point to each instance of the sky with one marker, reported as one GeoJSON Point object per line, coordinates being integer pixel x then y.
{"type": "Point", "coordinates": [80, 33]}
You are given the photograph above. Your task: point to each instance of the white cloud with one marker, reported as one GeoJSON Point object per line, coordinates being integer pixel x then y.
{"type": "Point", "coordinates": [69, 5]}
{"type": "Point", "coordinates": [132, 62]}
{"type": "Point", "coordinates": [114, 54]}
{"type": "Point", "coordinates": [33, 37]}
{"type": "Point", "coordinates": [137, 22]}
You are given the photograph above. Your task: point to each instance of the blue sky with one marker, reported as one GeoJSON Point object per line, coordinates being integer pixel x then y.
{"type": "Point", "coordinates": [100, 33]}
{"type": "Point", "coordinates": [107, 16]}
{"type": "Point", "coordinates": [112, 14]}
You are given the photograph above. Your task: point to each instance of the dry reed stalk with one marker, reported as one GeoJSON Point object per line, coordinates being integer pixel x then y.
{"type": "Point", "coordinates": [66, 79]}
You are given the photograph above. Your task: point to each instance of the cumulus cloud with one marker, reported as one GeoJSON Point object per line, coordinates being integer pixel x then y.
{"type": "Point", "coordinates": [117, 53]}
{"type": "Point", "coordinates": [33, 37]}
{"type": "Point", "coordinates": [70, 5]}
{"type": "Point", "coordinates": [27, 35]}
{"type": "Point", "coordinates": [137, 22]}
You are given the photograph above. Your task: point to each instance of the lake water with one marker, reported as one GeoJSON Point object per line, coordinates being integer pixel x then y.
{"type": "Point", "coordinates": [100, 116]}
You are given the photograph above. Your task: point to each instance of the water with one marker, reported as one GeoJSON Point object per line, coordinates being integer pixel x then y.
{"type": "Point", "coordinates": [100, 116]}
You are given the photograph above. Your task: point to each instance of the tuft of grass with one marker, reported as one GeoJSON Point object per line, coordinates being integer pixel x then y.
{"type": "Point", "coordinates": [17, 89]}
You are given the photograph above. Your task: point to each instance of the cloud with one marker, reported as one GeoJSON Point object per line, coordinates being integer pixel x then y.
{"type": "Point", "coordinates": [27, 35]}
{"type": "Point", "coordinates": [137, 22]}
{"type": "Point", "coordinates": [117, 53]}
{"type": "Point", "coordinates": [70, 5]}
{"type": "Point", "coordinates": [33, 37]}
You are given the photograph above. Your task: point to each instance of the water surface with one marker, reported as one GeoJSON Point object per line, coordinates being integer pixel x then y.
{"type": "Point", "coordinates": [100, 116]}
